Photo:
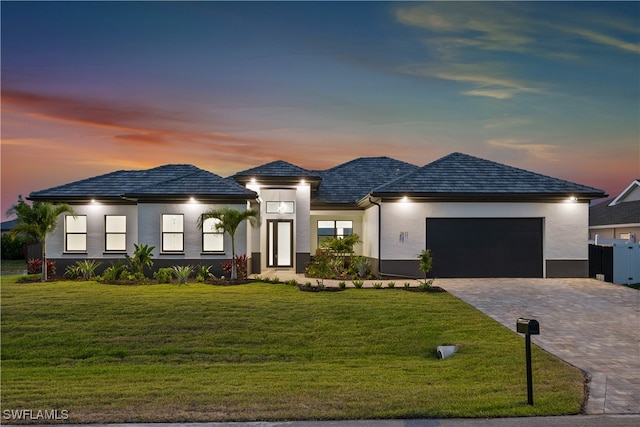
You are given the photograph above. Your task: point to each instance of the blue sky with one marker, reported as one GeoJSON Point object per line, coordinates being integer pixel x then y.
{"type": "Point", "coordinates": [92, 87]}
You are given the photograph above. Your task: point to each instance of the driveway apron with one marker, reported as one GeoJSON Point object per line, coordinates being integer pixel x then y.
{"type": "Point", "coordinates": [592, 325]}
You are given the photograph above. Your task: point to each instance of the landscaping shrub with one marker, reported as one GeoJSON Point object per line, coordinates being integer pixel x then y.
{"type": "Point", "coordinates": [203, 273]}
{"type": "Point", "coordinates": [72, 272]}
{"type": "Point", "coordinates": [182, 273]}
{"type": "Point", "coordinates": [241, 266]}
{"type": "Point", "coordinates": [117, 271]}
{"type": "Point", "coordinates": [14, 247]}
{"type": "Point", "coordinates": [141, 258]}
{"type": "Point", "coordinates": [88, 268]}
{"type": "Point", "coordinates": [34, 266]}
{"type": "Point", "coordinates": [361, 265]}
{"type": "Point", "coordinates": [163, 275]}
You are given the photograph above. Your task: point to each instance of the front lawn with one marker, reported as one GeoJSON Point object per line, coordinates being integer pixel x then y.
{"type": "Point", "coordinates": [198, 352]}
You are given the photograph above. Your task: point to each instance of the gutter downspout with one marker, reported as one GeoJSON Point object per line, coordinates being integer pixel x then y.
{"type": "Point", "coordinates": [380, 242]}
{"type": "Point", "coordinates": [379, 234]}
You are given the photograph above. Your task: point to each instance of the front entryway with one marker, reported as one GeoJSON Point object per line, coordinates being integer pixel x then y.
{"type": "Point", "coordinates": [279, 243]}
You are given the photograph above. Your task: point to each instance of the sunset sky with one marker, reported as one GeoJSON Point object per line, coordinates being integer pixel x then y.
{"type": "Point", "coordinates": [93, 87]}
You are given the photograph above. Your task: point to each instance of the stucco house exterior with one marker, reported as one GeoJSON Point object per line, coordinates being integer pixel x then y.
{"type": "Point", "coordinates": [617, 218]}
{"type": "Point", "coordinates": [479, 218]}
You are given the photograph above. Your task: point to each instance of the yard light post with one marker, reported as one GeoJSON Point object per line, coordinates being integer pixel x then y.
{"type": "Point", "coordinates": [528, 327]}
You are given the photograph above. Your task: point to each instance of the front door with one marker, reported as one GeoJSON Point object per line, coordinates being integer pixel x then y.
{"type": "Point", "coordinates": [279, 243]}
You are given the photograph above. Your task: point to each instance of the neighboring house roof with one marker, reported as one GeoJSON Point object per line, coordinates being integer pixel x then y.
{"type": "Point", "coordinates": [631, 193]}
{"type": "Point", "coordinates": [349, 182]}
{"type": "Point", "coordinates": [621, 213]}
{"type": "Point", "coordinates": [473, 178]}
{"type": "Point", "coordinates": [7, 226]}
{"type": "Point", "coordinates": [168, 180]}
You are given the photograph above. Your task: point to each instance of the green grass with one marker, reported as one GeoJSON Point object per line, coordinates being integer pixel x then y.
{"type": "Point", "coordinates": [199, 352]}
{"type": "Point", "coordinates": [13, 267]}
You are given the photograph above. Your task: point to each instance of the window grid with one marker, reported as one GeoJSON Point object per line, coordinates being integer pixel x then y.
{"type": "Point", "coordinates": [332, 229]}
{"type": "Point", "coordinates": [75, 233]}
{"type": "Point", "coordinates": [172, 233]}
{"type": "Point", "coordinates": [212, 238]}
{"type": "Point", "coordinates": [115, 233]}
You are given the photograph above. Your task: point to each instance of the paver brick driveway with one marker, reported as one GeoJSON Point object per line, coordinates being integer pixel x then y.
{"type": "Point", "coordinates": [592, 325]}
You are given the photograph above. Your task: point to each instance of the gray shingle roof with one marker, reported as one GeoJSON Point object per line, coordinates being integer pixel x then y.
{"type": "Point", "coordinates": [464, 175]}
{"type": "Point", "coordinates": [168, 180]}
{"type": "Point", "coordinates": [349, 182]}
{"type": "Point", "coordinates": [277, 169]}
{"type": "Point", "coordinates": [621, 213]}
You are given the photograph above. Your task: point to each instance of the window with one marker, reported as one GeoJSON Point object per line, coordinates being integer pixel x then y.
{"type": "Point", "coordinates": [333, 229]}
{"type": "Point", "coordinates": [280, 207]}
{"type": "Point", "coordinates": [115, 227]}
{"type": "Point", "coordinates": [212, 238]}
{"type": "Point", "coordinates": [75, 230]}
{"type": "Point", "coordinates": [172, 233]}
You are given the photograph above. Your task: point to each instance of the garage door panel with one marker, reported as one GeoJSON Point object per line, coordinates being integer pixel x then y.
{"type": "Point", "coordinates": [485, 247]}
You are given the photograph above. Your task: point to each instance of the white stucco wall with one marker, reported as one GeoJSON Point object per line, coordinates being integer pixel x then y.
{"type": "Point", "coordinates": [565, 225]}
{"type": "Point", "coordinates": [370, 232]}
{"type": "Point", "coordinates": [303, 222]}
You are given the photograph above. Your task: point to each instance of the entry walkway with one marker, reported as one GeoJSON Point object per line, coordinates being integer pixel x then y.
{"type": "Point", "coordinates": [592, 325]}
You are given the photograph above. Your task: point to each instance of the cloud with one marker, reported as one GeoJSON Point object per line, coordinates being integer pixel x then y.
{"type": "Point", "coordinates": [482, 25]}
{"type": "Point", "coordinates": [541, 151]}
{"type": "Point", "coordinates": [605, 39]}
{"type": "Point", "coordinates": [488, 79]}
{"type": "Point", "coordinates": [472, 33]}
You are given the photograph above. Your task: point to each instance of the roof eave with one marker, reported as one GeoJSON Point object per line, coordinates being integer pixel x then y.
{"type": "Point", "coordinates": [487, 197]}
{"type": "Point", "coordinates": [278, 180]}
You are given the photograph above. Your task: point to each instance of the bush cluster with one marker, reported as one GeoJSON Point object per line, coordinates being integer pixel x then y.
{"type": "Point", "coordinates": [336, 259]}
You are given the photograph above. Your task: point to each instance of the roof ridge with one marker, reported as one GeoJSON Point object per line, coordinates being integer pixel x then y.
{"type": "Point", "coordinates": [503, 165]}
{"type": "Point", "coordinates": [463, 173]}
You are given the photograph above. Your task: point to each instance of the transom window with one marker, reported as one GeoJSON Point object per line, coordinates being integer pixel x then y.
{"type": "Point", "coordinates": [172, 233]}
{"type": "Point", "coordinates": [332, 229]}
{"type": "Point", "coordinates": [75, 231]}
{"type": "Point", "coordinates": [212, 237]}
{"type": "Point", "coordinates": [115, 227]}
{"type": "Point", "coordinates": [280, 207]}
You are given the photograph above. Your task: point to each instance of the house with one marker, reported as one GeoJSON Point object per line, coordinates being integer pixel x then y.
{"type": "Point", "coordinates": [617, 218]}
{"type": "Point", "coordinates": [478, 217]}
{"type": "Point", "coordinates": [7, 226]}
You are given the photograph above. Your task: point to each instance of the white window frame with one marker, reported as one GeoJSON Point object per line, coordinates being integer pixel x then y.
{"type": "Point", "coordinates": [109, 232]}
{"type": "Point", "coordinates": [178, 233]}
{"type": "Point", "coordinates": [75, 229]}
{"type": "Point", "coordinates": [209, 229]}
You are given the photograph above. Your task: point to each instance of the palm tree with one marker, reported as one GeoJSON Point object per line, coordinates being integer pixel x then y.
{"type": "Point", "coordinates": [228, 222]}
{"type": "Point", "coordinates": [37, 221]}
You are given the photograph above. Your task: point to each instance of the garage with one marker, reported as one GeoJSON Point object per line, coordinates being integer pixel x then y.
{"type": "Point", "coordinates": [485, 247]}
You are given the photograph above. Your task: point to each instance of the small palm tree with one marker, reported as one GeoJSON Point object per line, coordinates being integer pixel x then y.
{"type": "Point", "coordinates": [141, 258]}
{"type": "Point", "coordinates": [37, 221]}
{"type": "Point", "coordinates": [228, 222]}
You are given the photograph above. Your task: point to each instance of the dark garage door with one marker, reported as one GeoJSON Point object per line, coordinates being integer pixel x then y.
{"type": "Point", "coordinates": [485, 247]}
